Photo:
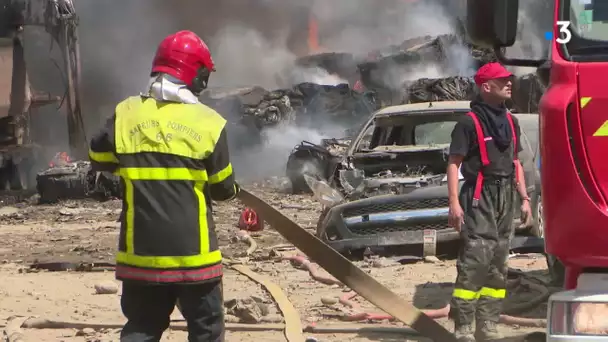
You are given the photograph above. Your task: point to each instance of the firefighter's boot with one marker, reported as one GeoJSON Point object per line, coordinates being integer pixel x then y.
{"type": "Point", "coordinates": [487, 331]}
{"type": "Point", "coordinates": [464, 333]}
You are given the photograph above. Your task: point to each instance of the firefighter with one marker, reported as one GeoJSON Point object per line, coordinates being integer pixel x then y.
{"type": "Point", "coordinates": [484, 148]}
{"type": "Point", "coordinates": [171, 153]}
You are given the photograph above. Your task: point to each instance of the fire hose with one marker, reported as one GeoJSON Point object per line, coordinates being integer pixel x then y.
{"type": "Point", "coordinates": [347, 273]}
{"type": "Point", "coordinates": [346, 300]}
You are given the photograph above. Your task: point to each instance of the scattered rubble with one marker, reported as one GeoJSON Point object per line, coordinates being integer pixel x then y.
{"type": "Point", "coordinates": [106, 287]}
{"type": "Point", "coordinates": [421, 281]}
{"type": "Point", "coordinates": [248, 310]}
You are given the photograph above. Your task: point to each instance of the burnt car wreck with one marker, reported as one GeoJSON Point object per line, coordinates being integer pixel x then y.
{"type": "Point", "coordinates": [392, 183]}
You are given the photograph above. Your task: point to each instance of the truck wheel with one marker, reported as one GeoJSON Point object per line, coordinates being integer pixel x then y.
{"type": "Point", "coordinates": [538, 228]}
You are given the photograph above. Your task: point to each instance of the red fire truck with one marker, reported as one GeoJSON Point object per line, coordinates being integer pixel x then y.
{"type": "Point", "coordinates": [574, 145]}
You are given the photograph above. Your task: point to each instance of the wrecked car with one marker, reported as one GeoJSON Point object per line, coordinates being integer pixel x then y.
{"type": "Point", "coordinates": [393, 180]}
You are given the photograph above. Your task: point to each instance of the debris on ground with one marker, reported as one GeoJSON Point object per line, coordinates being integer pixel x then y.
{"type": "Point", "coordinates": [76, 180]}
{"type": "Point", "coordinates": [92, 234]}
{"type": "Point", "coordinates": [250, 310]}
{"type": "Point", "coordinates": [106, 287]}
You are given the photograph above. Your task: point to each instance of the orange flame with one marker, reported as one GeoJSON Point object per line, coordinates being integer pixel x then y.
{"type": "Point", "coordinates": [313, 34]}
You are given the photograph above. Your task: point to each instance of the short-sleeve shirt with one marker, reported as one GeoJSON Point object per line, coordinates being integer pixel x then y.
{"type": "Point", "coordinates": [465, 143]}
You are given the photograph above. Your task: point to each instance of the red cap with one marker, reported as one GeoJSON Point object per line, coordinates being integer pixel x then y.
{"type": "Point", "coordinates": [491, 71]}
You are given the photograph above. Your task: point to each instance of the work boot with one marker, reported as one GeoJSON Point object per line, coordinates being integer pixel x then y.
{"type": "Point", "coordinates": [464, 333]}
{"type": "Point", "coordinates": [487, 331]}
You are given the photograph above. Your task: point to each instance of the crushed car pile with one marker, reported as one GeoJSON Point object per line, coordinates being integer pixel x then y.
{"type": "Point", "coordinates": [251, 110]}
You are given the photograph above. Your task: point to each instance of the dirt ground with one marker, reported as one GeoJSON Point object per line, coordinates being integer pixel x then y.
{"type": "Point", "coordinates": [86, 231]}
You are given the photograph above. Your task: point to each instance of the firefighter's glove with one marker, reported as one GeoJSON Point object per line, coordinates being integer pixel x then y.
{"type": "Point", "coordinates": [526, 213]}
{"type": "Point", "coordinates": [456, 216]}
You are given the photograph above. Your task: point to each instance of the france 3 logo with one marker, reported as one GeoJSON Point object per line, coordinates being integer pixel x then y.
{"type": "Point", "coordinates": [564, 35]}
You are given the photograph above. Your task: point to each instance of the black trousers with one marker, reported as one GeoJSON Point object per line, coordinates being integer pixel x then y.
{"type": "Point", "coordinates": [148, 308]}
{"type": "Point", "coordinates": [482, 262]}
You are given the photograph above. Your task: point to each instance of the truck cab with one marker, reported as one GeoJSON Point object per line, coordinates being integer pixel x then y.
{"type": "Point", "coordinates": [573, 143]}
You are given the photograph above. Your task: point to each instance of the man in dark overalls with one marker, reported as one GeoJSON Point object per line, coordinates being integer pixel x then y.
{"type": "Point", "coordinates": [483, 148]}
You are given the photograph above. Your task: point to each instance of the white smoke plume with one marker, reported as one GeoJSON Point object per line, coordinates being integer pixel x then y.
{"type": "Point", "coordinates": [251, 42]}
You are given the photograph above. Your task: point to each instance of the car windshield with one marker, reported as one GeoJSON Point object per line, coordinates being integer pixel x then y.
{"type": "Point", "coordinates": [417, 132]}
{"type": "Point", "coordinates": [589, 27]}
{"type": "Point", "coordinates": [434, 133]}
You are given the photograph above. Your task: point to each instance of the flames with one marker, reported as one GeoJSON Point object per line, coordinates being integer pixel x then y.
{"type": "Point", "coordinates": [313, 34]}
{"type": "Point", "coordinates": [60, 159]}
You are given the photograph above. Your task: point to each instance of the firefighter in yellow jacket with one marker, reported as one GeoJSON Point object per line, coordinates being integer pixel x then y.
{"type": "Point", "coordinates": [171, 153]}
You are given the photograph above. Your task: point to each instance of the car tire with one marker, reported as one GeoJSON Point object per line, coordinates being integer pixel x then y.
{"type": "Point", "coordinates": [538, 228]}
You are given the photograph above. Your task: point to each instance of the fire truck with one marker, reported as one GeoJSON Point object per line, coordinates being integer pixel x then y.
{"type": "Point", "coordinates": [574, 141]}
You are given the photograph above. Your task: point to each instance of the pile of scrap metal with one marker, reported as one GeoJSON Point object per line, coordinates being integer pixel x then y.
{"type": "Point", "coordinates": [384, 75]}
{"type": "Point", "coordinates": [386, 71]}
{"type": "Point", "coordinates": [250, 110]}
{"type": "Point", "coordinates": [439, 89]}
{"type": "Point", "coordinates": [66, 179]}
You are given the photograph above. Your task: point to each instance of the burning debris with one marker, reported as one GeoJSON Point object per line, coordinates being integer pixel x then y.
{"type": "Point", "coordinates": [302, 104]}
{"type": "Point", "coordinates": [66, 179]}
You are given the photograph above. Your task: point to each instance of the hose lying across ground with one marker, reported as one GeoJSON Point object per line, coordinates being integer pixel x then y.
{"type": "Point", "coordinates": [506, 318]}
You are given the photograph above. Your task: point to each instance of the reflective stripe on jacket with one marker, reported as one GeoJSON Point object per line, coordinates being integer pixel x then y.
{"type": "Point", "coordinates": [173, 160]}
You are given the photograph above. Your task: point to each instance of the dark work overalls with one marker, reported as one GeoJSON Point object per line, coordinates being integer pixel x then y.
{"type": "Point", "coordinates": [488, 205]}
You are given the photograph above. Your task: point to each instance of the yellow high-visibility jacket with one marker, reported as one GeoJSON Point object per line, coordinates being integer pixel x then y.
{"type": "Point", "coordinates": [173, 160]}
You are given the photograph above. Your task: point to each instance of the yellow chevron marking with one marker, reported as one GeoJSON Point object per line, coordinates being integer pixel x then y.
{"type": "Point", "coordinates": [585, 101]}
{"type": "Point", "coordinates": [602, 131]}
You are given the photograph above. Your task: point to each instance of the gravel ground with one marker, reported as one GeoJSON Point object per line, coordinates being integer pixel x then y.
{"type": "Point", "coordinates": [86, 231]}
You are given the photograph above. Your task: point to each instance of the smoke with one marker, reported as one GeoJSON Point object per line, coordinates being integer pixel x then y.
{"type": "Point", "coordinates": [244, 57]}
{"type": "Point", "coordinates": [266, 160]}
{"type": "Point", "coordinates": [315, 75]}
{"type": "Point", "coordinates": [359, 26]}
{"type": "Point", "coordinates": [250, 43]}
{"type": "Point", "coordinates": [349, 26]}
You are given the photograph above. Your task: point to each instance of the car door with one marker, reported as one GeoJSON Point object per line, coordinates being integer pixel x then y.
{"type": "Point", "coordinates": [527, 159]}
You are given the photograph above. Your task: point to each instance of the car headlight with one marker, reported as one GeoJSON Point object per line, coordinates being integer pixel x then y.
{"type": "Point", "coordinates": [578, 318]}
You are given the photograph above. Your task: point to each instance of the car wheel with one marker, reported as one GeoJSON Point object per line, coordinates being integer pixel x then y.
{"type": "Point", "coordinates": [538, 228]}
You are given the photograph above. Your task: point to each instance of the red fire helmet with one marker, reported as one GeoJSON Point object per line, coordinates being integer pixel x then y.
{"type": "Point", "coordinates": [183, 55]}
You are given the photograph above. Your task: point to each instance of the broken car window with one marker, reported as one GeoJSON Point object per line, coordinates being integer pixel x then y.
{"type": "Point", "coordinates": [365, 141]}
{"type": "Point", "coordinates": [434, 133]}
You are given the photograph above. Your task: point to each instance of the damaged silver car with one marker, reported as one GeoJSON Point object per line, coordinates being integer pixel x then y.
{"type": "Point", "coordinates": [393, 183]}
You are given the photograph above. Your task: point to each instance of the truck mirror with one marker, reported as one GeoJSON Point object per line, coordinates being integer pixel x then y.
{"type": "Point", "coordinates": [492, 23]}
